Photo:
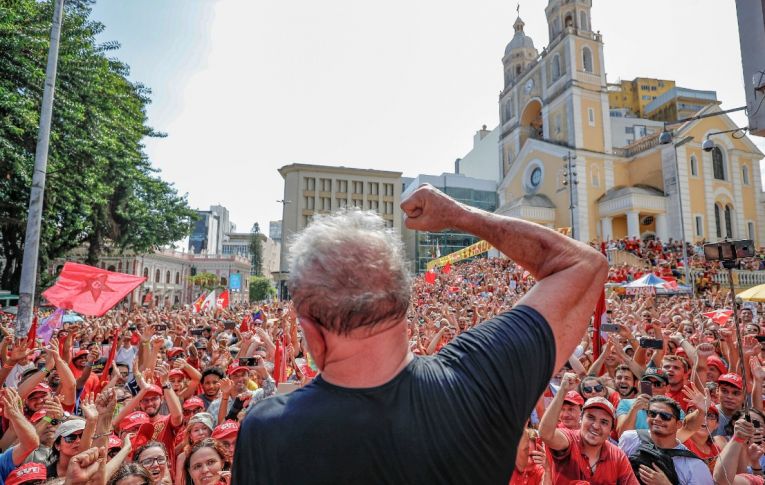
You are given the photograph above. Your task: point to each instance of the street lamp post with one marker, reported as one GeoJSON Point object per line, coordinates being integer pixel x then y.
{"type": "Point", "coordinates": [569, 179]}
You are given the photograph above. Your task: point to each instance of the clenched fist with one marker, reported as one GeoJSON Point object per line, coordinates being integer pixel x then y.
{"type": "Point", "coordinates": [429, 209]}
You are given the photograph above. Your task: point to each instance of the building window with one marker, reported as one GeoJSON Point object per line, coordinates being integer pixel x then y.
{"type": "Point", "coordinates": [157, 276]}
{"type": "Point", "coordinates": [591, 116]}
{"type": "Point", "coordinates": [587, 59]}
{"type": "Point", "coordinates": [745, 174]}
{"type": "Point", "coordinates": [326, 185]}
{"type": "Point", "coordinates": [653, 88]}
{"type": "Point", "coordinates": [629, 130]}
{"type": "Point", "coordinates": [694, 166]}
{"type": "Point", "coordinates": [556, 67]}
{"type": "Point", "coordinates": [309, 183]}
{"type": "Point", "coordinates": [583, 21]}
{"type": "Point", "coordinates": [374, 205]}
{"type": "Point", "coordinates": [718, 165]}
{"type": "Point", "coordinates": [310, 203]}
{"type": "Point", "coordinates": [342, 186]}
{"type": "Point", "coordinates": [388, 190]}
{"type": "Point", "coordinates": [325, 203]}
{"type": "Point", "coordinates": [374, 188]}
{"type": "Point", "coordinates": [728, 221]}
{"type": "Point", "coordinates": [750, 230]}
{"type": "Point", "coordinates": [699, 226]}
{"type": "Point", "coordinates": [718, 225]}
{"type": "Point", "coordinates": [644, 88]}
{"type": "Point", "coordinates": [557, 123]}
{"type": "Point", "coordinates": [167, 277]}
{"type": "Point", "coordinates": [595, 176]}
{"type": "Point", "coordinates": [388, 208]}
{"type": "Point", "coordinates": [358, 187]}
{"type": "Point", "coordinates": [177, 278]}
{"type": "Point", "coordinates": [358, 203]}
{"type": "Point", "coordinates": [342, 203]}
{"type": "Point", "coordinates": [146, 273]}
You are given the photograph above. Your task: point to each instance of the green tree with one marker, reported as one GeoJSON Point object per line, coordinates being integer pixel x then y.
{"type": "Point", "coordinates": [261, 289]}
{"type": "Point", "coordinates": [256, 250]}
{"type": "Point", "coordinates": [207, 281]}
{"type": "Point", "coordinates": [101, 188]}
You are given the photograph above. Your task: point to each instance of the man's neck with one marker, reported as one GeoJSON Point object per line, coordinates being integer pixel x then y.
{"type": "Point", "coordinates": [677, 387]}
{"type": "Point", "coordinates": [359, 361]}
{"type": "Point", "coordinates": [664, 441]}
{"type": "Point", "coordinates": [592, 452]}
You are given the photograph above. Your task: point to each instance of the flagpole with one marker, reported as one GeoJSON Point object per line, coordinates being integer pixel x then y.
{"type": "Point", "coordinates": [37, 190]}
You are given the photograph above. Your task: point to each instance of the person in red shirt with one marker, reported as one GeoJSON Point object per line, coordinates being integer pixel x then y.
{"type": "Point", "coordinates": [677, 369]}
{"type": "Point", "coordinates": [585, 454]}
{"type": "Point", "coordinates": [531, 464]}
{"type": "Point", "coordinates": [571, 410]}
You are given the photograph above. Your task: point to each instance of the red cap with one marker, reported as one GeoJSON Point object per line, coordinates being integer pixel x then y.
{"type": "Point", "coordinates": [176, 373]}
{"type": "Point", "coordinates": [174, 351]}
{"type": "Point", "coordinates": [732, 379]}
{"type": "Point", "coordinates": [573, 397]}
{"type": "Point", "coordinates": [236, 368]}
{"type": "Point", "coordinates": [224, 429]}
{"type": "Point", "coordinates": [37, 416]}
{"type": "Point", "coordinates": [114, 442]}
{"type": "Point", "coordinates": [134, 419]}
{"type": "Point", "coordinates": [600, 403]}
{"type": "Point", "coordinates": [193, 402]}
{"type": "Point", "coordinates": [153, 389]}
{"type": "Point", "coordinates": [26, 473]}
{"type": "Point", "coordinates": [41, 387]}
{"type": "Point", "coordinates": [79, 354]}
{"type": "Point", "coordinates": [717, 362]}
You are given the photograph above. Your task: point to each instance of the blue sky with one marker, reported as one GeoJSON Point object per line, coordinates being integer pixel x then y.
{"type": "Point", "coordinates": [243, 87]}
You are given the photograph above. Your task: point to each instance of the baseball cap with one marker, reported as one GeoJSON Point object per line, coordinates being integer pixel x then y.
{"type": "Point", "coordinates": [236, 368]}
{"type": "Point", "coordinates": [193, 402]}
{"type": "Point", "coordinates": [37, 416]}
{"type": "Point", "coordinates": [655, 373]}
{"type": "Point", "coordinates": [174, 351]}
{"type": "Point", "coordinates": [225, 429]}
{"type": "Point", "coordinates": [114, 442]}
{"type": "Point", "coordinates": [98, 365]}
{"type": "Point", "coordinates": [600, 403]}
{"type": "Point", "coordinates": [68, 427]}
{"type": "Point", "coordinates": [176, 373]}
{"type": "Point", "coordinates": [153, 389]}
{"type": "Point", "coordinates": [26, 473]}
{"type": "Point", "coordinates": [79, 354]}
{"type": "Point", "coordinates": [717, 362]}
{"type": "Point", "coordinates": [133, 420]}
{"type": "Point", "coordinates": [204, 418]}
{"type": "Point", "coordinates": [732, 379]}
{"type": "Point", "coordinates": [41, 387]}
{"type": "Point", "coordinates": [573, 397]}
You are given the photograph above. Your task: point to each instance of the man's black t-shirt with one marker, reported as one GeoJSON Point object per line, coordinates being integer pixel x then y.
{"type": "Point", "coordinates": [455, 417]}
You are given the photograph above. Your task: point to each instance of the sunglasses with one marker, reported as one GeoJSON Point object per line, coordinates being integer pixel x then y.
{"type": "Point", "coordinates": [664, 416]}
{"type": "Point", "coordinates": [52, 421]}
{"type": "Point", "coordinates": [72, 438]}
{"type": "Point", "coordinates": [655, 383]}
{"type": "Point", "coordinates": [596, 388]}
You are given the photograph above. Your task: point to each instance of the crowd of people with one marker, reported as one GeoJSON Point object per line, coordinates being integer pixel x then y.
{"type": "Point", "coordinates": [156, 395]}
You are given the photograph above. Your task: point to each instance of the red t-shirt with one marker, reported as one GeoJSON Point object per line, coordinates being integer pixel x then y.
{"type": "Point", "coordinates": [679, 397]}
{"type": "Point", "coordinates": [532, 475]}
{"type": "Point", "coordinates": [572, 465]}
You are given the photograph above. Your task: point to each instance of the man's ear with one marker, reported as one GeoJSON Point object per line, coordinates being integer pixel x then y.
{"type": "Point", "coordinates": [314, 338]}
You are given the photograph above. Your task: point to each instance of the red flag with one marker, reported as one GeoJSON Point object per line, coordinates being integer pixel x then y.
{"type": "Point", "coordinates": [148, 298]}
{"type": "Point", "coordinates": [720, 317]}
{"type": "Point", "coordinates": [430, 277]}
{"type": "Point", "coordinates": [447, 268]}
{"type": "Point", "coordinates": [280, 361]}
{"type": "Point", "coordinates": [112, 352]}
{"type": "Point", "coordinates": [600, 317]}
{"type": "Point", "coordinates": [90, 291]}
{"type": "Point", "coordinates": [197, 306]}
{"type": "Point", "coordinates": [245, 325]}
{"type": "Point", "coordinates": [32, 334]}
{"type": "Point", "coordinates": [222, 300]}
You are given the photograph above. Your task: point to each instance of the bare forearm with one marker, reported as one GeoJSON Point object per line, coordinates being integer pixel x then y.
{"type": "Point", "coordinates": [549, 421]}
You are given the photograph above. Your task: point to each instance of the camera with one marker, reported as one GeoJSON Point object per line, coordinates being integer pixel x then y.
{"type": "Point", "coordinates": [727, 251]}
{"type": "Point", "coordinates": [708, 145]}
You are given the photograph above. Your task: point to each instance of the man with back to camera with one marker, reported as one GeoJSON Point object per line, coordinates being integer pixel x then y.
{"type": "Point", "coordinates": [376, 413]}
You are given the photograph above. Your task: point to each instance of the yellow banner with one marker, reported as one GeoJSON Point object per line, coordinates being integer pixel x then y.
{"type": "Point", "coordinates": [474, 250]}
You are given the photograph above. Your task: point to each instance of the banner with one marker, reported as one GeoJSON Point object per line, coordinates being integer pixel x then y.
{"type": "Point", "coordinates": [235, 281]}
{"type": "Point", "coordinates": [473, 250]}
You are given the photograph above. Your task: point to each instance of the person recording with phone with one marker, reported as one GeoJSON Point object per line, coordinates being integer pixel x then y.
{"type": "Point", "coordinates": [235, 395]}
{"type": "Point", "coordinates": [532, 466]}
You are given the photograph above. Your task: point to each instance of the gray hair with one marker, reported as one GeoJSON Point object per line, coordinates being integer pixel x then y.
{"type": "Point", "coordinates": [347, 270]}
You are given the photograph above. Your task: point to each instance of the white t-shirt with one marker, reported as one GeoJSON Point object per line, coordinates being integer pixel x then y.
{"type": "Point", "coordinates": [126, 356]}
{"type": "Point", "coordinates": [690, 471]}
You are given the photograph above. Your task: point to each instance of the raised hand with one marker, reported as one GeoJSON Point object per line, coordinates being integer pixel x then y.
{"type": "Point", "coordinates": [226, 386]}
{"type": "Point", "coordinates": [106, 401]}
{"type": "Point", "coordinates": [702, 400]}
{"type": "Point", "coordinates": [84, 467]}
{"type": "Point", "coordinates": [743, 429]}
{"type": "Point", "coordinates": [429, 209]}
{"type": "Point", "coordinates": [568, 382]}
{"type": "Point", "coordinates": [89, 408]}
{"type": "Point", "coordinates": [705, 350]}
{"type": "Point", "coordinates": [53, 409]}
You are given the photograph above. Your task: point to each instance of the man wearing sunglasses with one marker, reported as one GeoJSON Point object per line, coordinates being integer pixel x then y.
{"type": "Point", "coordinates": [664, 421]}
{"type": "Point", "coordinates": [585, 454]}
{"type": "Point", "coordinates": [631, 413]}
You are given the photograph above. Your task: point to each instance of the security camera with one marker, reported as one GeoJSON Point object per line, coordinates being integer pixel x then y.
{"type": "Point", "coordinates": [708, 145]}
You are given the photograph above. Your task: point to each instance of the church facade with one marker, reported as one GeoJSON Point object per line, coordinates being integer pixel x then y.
{"type": "Point", "coordinates": [559, 167]}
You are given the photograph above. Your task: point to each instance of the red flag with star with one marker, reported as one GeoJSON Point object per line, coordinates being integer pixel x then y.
{"type": "Point", "coordinates": [89, 290]}
{"type": "Point", "coordinates": [720, 316]}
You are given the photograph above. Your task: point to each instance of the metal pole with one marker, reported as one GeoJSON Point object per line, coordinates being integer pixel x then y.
{"type": "Point", "coordinates": [743, 364]}
{"type": "Point", "coordinates": [37, 190]}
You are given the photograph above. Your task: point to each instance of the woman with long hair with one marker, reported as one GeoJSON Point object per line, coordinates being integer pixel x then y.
{"type": "Point", "coordinates": [131, 474]}
{"type": "Point", "coordinates": [206, 464]}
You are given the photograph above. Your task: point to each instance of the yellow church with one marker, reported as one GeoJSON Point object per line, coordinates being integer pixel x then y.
{"type": "Point", "coordinates": [559, 168]}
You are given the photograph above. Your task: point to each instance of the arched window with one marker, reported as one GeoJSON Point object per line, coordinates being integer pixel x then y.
{"type": "Point", "coordinates": [167, 277]}
{"type": "Point", "coordinates": [518, 70]}
{"type": "Point", "coordinates": [728, 221]}
{"type": "Point", "coordinates": [718, 165]}
{"type": "Point", "coordinates": [587, 59]}
{"type": "Point", "coordinates": [718, 225]}
{"type": "Point", "coordinates": [146, 273]}
{"type": "Point", "coordinates": [509, 109]}
{"type": "Point", "coordinates": [569, 22]}
{"type": "Point", "coordinates": [583, 21]}
{"type": "Point", "coordinates": [555, 67]}
{"type": "Point", "coordinates": [157, 276]}
{"type": "Point", "coordinates": [694, 166]}
{"type": "Point", "coordinates": [745, 174]}
{"type": "Point", "coordinates": [111, 268]}
{"type": "Point", "coordinates": [595, 176]}
{"type": "Point", "coordinates": [177, 278]}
